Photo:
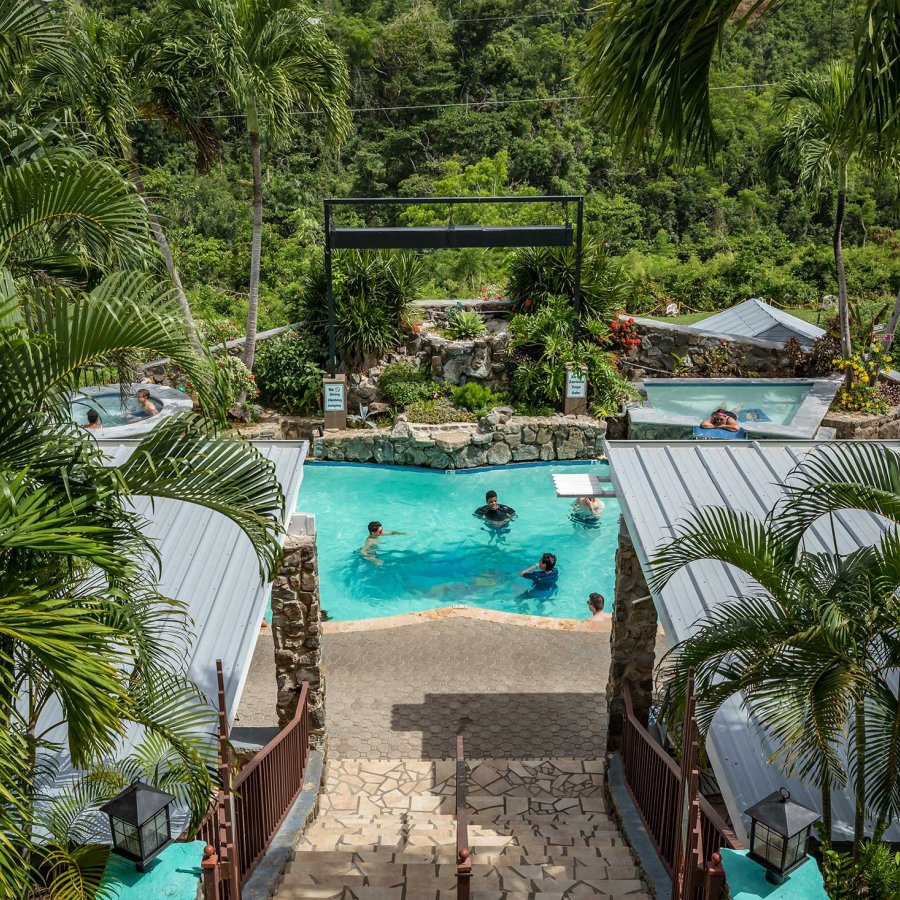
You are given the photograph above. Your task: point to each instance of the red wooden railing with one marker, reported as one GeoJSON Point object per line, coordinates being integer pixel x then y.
{"type": "Point", "coordinates": [654, 782]}
{"type": "Point", "coordinates": [463, 853]}
{"type": "Point", "coordinates": [244, 815]}
{"type": "Point", "coordinates": [266, 788]}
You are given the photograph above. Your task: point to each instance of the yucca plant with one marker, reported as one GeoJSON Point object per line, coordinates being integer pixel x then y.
{"type": "Point", "coordinates": [464, 324]}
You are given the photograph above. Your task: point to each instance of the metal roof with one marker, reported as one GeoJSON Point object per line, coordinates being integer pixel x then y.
{"type": "Point", "coordinates": [757, 319]}
{"type": "Point", "coordinates": [659, 485]}
{"type": "Point", "coordinates": [209, 564]}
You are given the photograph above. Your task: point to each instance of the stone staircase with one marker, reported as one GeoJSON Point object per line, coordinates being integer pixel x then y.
{"type": "Point", "coordinates": [538, 830]}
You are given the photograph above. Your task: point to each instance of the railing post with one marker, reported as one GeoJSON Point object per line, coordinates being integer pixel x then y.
{"type": "Point", "coordinates": [463, 854]}
{"type": "Point", "coordinates": [714, 878]}
{"type": "Point", "coordinates": [209, 873]}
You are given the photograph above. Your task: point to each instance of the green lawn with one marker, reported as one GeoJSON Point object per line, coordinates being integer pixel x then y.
{"type": "Point", "coordinates": [690, 318]}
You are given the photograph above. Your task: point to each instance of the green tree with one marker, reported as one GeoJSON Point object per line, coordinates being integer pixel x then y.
{"type": "Point", "coordinates": [812, 646]}
{"type": "Point", "coordinates": [274, 60]}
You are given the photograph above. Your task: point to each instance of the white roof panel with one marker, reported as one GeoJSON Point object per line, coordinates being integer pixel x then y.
{"type": "Point", "coordinates": [755, 318]}
{"type": "Point", "coordinates": [659, 485]}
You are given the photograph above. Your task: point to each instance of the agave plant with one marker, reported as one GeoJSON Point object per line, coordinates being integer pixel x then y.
{"type": "Point", "coordinates": [363, 417]}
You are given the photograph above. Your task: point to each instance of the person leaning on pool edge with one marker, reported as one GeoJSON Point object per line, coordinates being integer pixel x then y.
{"type": "Point", "coordinates": [493, 513]}
{"type": "Point", "coordinates": [723, 419]}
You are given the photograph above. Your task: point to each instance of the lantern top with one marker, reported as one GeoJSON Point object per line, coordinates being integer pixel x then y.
{"type": "Point", "coordinates": [137, 803]}
{"type": "Point", "coordinates": [781, 814]}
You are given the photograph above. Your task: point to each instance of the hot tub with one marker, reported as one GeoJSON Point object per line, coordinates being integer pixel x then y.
{"type": "Point", "coordinates": [126, 420]}
{"type": "Point", "coordinates": [765, 407]}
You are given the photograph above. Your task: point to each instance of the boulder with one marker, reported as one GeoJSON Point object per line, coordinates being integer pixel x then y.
{"type": "Point", "coordinates": [499, 455]}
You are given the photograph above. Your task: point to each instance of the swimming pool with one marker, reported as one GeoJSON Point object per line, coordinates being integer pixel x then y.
{"type": "Point", "coordinates": [765, 407]}
{"type": "Point", "coordinates": [450, 557]}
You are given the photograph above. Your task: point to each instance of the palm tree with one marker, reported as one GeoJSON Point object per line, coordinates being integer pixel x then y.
{"type": "Point", "coordinates": [81, 636]}
{"type": "Point", "coordinates": [813, 646]}
{"type": "Point", "coordinates": [111, 76]}
{"type": "Point", "coordinates": [647, 67]}
{"type": "Point", "coordinates": [274, 60]}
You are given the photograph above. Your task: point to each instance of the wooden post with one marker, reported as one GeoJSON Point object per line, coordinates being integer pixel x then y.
{"type": "Point", "coordinates": [688, 788]}
{"type": "Point", "coordinates": [576, 393]}
{"type": "Point", "coordinates": [335, 401]}
{"type": "Point", "coordinates": [210, 873]}
{"type": "Point", "coordinates": [228, 856]}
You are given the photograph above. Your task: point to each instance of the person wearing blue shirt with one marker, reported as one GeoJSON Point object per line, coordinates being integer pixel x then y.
{"type": "Point", "coordinates": [543, 575]}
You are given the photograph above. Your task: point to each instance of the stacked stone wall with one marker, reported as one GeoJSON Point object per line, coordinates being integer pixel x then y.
{"type": "Point", "coordinates": [499, 438]}
{"type": "Point", "coordinates": [297, 634]}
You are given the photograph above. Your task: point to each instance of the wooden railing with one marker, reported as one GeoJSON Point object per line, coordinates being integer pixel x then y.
{"type": "Point", "coordinates": [266, 788]}
{"type": "Point", "coordinates": [654, 782]}
{"type": "Point", "coordinates": [463, 853]}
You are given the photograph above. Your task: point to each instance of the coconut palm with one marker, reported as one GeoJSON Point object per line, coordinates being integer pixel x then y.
{"type": "Point", "coordinates": [111, 76]}
{"type": "Point", "coordinates": [81, 637]}
{"type": "Point", "coordinates": [647, 67]}
{"type": "Point", "coordinates": [812, 647]}
{"type": "Point", "coordinates": [274, 60]}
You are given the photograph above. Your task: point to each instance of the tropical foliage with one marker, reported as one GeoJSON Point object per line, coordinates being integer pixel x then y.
{"type": "Point", "coordinates": [464, 324]}
{"type": "Point", "coordinates": [289, 373]}
{"type": "Point", "coordinates": [811, 648]}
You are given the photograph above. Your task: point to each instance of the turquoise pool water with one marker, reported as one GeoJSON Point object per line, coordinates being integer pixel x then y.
{"type": "Point", "coordinates": [779, 402]}
{"type": "Point", "coordinates": [449, 556]}
{"type": "Point", "coordinates": [110, 408]}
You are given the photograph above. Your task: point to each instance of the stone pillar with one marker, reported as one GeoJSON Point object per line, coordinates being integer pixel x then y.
{"type": "Point", "coordinates": [633, 641]}
{"type": "Point", "coordinates": [297, 628]}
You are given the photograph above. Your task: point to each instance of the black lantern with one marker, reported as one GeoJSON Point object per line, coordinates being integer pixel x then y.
{"type": "Point", "coordinates": [779, 831]}
{"type": "Point", "coordinates": [139, 822]}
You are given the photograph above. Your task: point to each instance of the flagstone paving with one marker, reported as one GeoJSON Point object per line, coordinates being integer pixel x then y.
{"type": "Point", "coordinates": [538, 830]}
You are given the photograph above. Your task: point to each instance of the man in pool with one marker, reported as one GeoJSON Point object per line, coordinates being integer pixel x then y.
{"type": "Point", "coordinates": [145, 404]}
{"type": "Point", "coordinates": [376, 532]}
{"type": "Point", "coordinates": [723, 419]}
{"type": "Point", "coordinates": [93, 420]}
{"type": "Point", "coordinates": [595, 605]}
{"type": "Point", "coordinates": [542, 575]}
{"type": "Point", "coordinates": [493, 513]}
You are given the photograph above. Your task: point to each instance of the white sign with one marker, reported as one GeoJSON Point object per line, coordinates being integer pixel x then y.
{"type": "Point", "coordinates": [576, 385]}
{"type": "Point", "coordinates": [334, 397]}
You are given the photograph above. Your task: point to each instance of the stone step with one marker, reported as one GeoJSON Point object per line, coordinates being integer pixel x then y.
{"type": "Point", "coordinates": [341, 892]}
{"type": "Point", "coordinates": [478, 804]}
{"type": "Point", "coordinates": [618, 854]}
{"type": "Point", "coordinates": [356, 843]}
{"type": "Point", "coordinates": [551, 833]}
{"type": "Point", "coordinates": [424, 821]}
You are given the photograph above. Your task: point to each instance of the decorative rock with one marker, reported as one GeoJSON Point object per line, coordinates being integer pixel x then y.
{"type": "Point", "coordinates": [499, 455]}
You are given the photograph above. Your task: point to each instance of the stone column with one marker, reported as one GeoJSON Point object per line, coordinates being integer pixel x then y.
{"type": "Point", "coordinates": [297, 628]}
{"type": "Point", "coordinates": [633, 641]}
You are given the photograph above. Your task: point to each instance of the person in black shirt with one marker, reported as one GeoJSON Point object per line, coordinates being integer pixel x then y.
{"type": "Point", "coordinates": [494, 514]}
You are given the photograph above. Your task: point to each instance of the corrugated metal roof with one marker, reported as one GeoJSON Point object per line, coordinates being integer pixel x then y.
{"type": "Point", "coordinates": [757, 319]}
{"type": "Point", "coordinates": [208, 563]}
{"type": "Point", "coordinates": [659, 485]}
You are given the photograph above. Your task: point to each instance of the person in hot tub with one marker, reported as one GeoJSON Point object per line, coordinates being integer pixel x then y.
{"type": "Point", "coordinates": [723, 419]}
{"type": "Point", "coordinates": [145, 404]}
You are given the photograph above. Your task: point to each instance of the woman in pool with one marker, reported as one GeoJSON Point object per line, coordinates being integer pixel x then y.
{"type": "Point", "coordinates": [722, 419]}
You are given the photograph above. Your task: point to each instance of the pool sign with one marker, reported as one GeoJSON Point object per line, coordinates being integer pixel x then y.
{"type": "Point", "coordinates": [576, 392]}
{"type": "Point", "coordinates": [335, 402]}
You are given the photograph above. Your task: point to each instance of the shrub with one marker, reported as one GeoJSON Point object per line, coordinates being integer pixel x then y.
{"type": "Point", "coordinates": [477, 398]}
{"type": "Point", "coordinates": [437, 412]}
{"type": "Point", "coordinates": [373, 291]}
{"type": "Point", "coordinates": [464, 324]}
{"type": "Point", "coordinates": [535, 274]}
{"type": "Point", "coordinates": [236, 379]}
{"type": "Point", "coordinates": [289, 374]}
{"type": "Point", "coordinates": [824, 352]}
{"type": "Point", "coordinates": [875, 876]}
{"type": "Point", "coordinates": [402, 383]}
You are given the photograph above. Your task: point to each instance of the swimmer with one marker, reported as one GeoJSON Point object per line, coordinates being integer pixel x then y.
{"type": "Point", "coordinates": [145, 404]}
{"type": "Point", "coordinates": [593, 506]}
{"type": "Point", "coordinates": [376, 531]}
{"type": "Point", "coordinates": [93, 421]}
{"type": "Point", "coordinates": [543, 575]}
{"type": "Point", "coordinates": [595, 605]}
{"type": "Point", "coordinates": [723, 419]}
{"type": "Point", "coordinates": [493, 513]}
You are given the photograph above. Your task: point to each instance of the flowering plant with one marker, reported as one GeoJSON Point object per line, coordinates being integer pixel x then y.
{"type": "Point", "coordinates": [863, 393]}
{"type": "Point", "coordinates": [237, 379]}
{"type": "Point", "coordinates": [622, 334]}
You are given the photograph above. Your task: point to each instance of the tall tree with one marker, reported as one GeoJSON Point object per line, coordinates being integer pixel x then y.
{"type": "Point", "coordinates": [274, 60]}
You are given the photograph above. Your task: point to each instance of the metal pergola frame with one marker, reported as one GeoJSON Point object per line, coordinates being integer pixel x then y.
{"type": "Point", "coordinates": [448, 237]}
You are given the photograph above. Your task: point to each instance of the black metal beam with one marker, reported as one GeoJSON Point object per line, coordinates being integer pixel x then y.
{"type": "Point", "coordinates": [423, 201]}
{"type": "Point", "coordinates": [451, 237]}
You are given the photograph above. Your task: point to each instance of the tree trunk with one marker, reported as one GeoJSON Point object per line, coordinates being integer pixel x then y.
{"type": "Point", "coordinates": [162, 242]}
{"type": "Point", "coordinates": [894, 320]}
{"type": "Point", "coordinates": [256, 244]}
{"type": "Point", "coordinates": [843, 301]}
{"type": "Point", "coordinates": [826, 809]}
{"type": "Point", "coordinates": [859, 821]}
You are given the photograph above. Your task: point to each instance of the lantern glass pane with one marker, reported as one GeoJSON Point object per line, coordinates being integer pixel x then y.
{"type": "Point", "coordinates": [125, 836]}
{"type": "Point", "coordinates": [768, 844]}
{"type": "Point", "coordinates": [156, 831]}
{"type": "Point", "coordinates": [796, 847]}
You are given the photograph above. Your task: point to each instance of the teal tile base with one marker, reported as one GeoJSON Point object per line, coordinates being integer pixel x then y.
{"type": "Point", "coordinates": [173, 875]}
{"type": "Point", "coordinates": [747, 880]}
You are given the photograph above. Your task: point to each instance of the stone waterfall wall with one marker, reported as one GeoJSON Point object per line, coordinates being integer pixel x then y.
{"type": "Point", "coordinates": [499, 438]}
{"type": "Point", "coordinates": [297, 632]}
{"type": "Point", "coordinates": [633, 641]}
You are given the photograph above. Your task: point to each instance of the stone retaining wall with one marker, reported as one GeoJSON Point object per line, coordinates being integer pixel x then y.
{"type": "Point", "coordinates": [297, 633]}
{"type": "Point", "coordinates": [857, 426]}
{"type": "Point", "coordinates": [662, 342]}
{"type": "Point", "coordinates": [499, 438]}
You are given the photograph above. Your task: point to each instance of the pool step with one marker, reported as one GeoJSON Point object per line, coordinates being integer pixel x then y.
{"type": "Point", "coordinates": [538, 830]}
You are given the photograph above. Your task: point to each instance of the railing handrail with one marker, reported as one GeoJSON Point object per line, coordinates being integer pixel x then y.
{"type": "Point", "coordinates": [707, 808]}
{"type": "Point", "coordinates": [463, 853]}
{"type": "Point", "coordinates": [278, 739]}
